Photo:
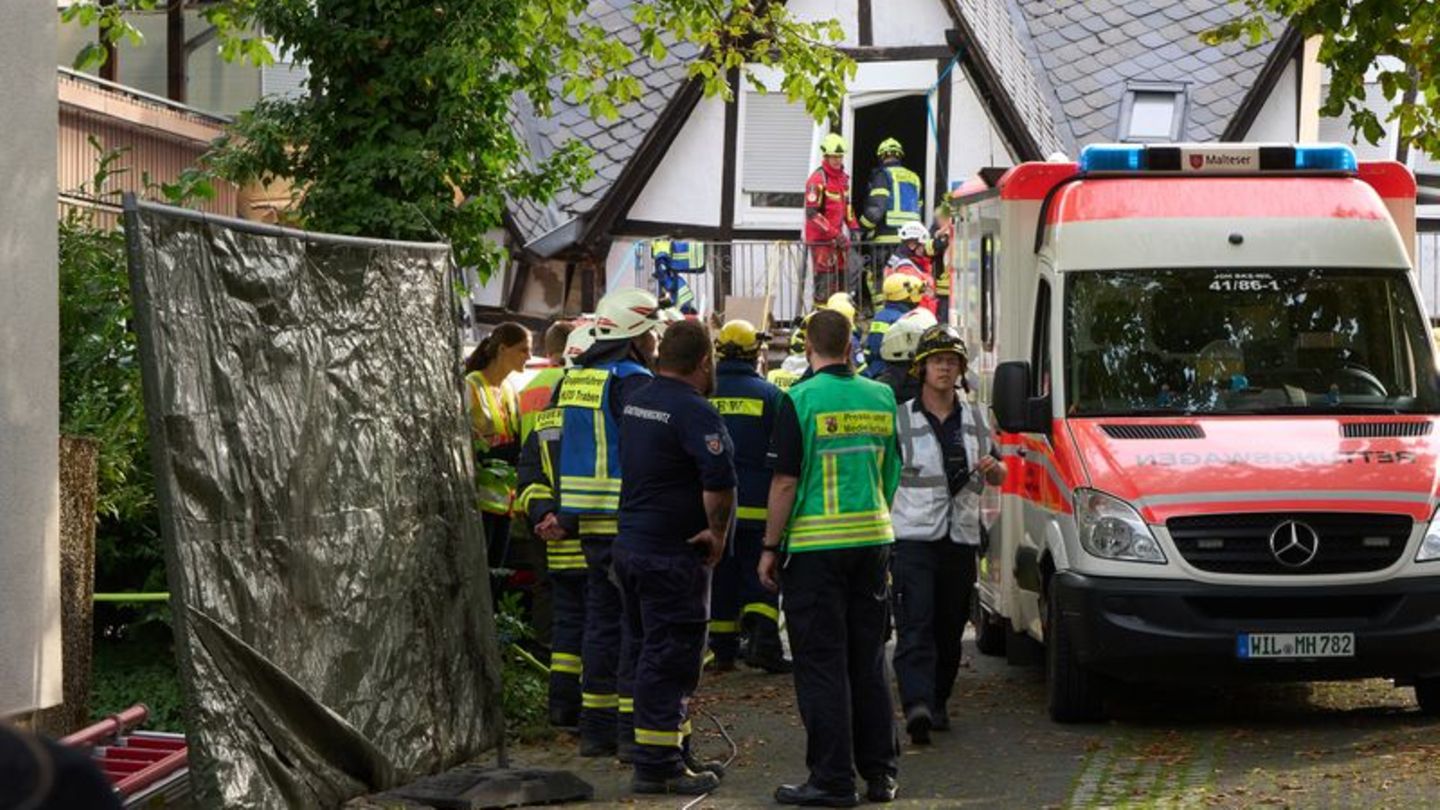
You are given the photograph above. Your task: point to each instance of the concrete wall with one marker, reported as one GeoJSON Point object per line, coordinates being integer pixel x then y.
{"type": "Point", "coordinates": [29, 416]}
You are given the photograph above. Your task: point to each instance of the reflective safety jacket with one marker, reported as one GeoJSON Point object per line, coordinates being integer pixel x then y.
{"type": "Point", "coordinates": [747, 403]}
{"type": "Point", "coordinates": [827, 207]}
{"type": "Point", "coordinates": [924, 508]}
{"type": "Point", "coordinates": [589, 463]}
{"type": "Point", "coordinates": [680, 256]}
{"type": "Point", "coordinates": [534, 397]}
{"type": "Point", "coordinates": [894, 198]}
{"type": "Point", "coordinates": [851, 464]}
{"type": "Point", "coordinates": [495, 428]}
{"type": "Point", "coordinates": [879, 325]}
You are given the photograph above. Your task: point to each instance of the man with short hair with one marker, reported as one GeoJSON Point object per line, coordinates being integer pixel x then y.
{"type": "Point", "coordinates": [836, 466]}
{"type": "Point", "coordinates": [678, 501]}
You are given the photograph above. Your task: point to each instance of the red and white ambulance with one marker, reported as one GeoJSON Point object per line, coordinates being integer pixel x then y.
{"type": "Point", "coordinates": [1217, 395]}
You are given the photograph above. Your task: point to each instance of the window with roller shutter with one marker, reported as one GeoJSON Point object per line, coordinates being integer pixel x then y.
{"type": "Point", "coordinates": [775, 144]}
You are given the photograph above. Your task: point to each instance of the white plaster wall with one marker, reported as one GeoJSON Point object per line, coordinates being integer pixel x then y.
{"type": "Point", "coordinates": [29, 376]}
{"type": "Point", "coordinates": [845, 11]}
{"type": "Point", "coordinates": [1276, 121]}
{"type": "Point", "coordinates": [685, 187]}
{"type": "Point", "coordinates": [909, 22]}
{"type": "Point", "coordinates": [975, 143]}
{"type": "Point", "coordinates": [620, 266]}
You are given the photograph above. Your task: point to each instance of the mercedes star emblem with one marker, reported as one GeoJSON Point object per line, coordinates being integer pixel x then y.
{"type": "Point", "coordinates": [1294, 544]}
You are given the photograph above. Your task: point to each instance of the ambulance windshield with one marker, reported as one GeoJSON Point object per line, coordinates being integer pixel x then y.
{"type": "Point", "coordinates": [1245, 342]}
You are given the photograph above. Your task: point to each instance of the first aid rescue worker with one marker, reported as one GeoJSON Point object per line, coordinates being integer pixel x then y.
{"type": "Point", "coordinates": [678, 508]}
{"type": "Point", "coordinates": [898, 351]}
{"type": "Point", "coordinates": [743, 615]}
{"type": "Point", "coordinates": [948, 455]}
{"type": "Point", "coordinates": [534, 387]}
{"type": "Point", "coordinates": [902, 293]}
{"type": "Point", "coordinates": [828, 218]}
{"type": "Point", "coordinates": [495, 428]}
{"type": "Point", "coordinates": [565, 560]}
{"type": "Point", "coordinates": [836, 466]}
{"type": "Point", "coordinates": [591, 399]}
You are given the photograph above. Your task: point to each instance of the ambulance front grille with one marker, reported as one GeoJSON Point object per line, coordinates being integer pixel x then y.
{"type": "Point", "coordinates": [1151, 430]}
{"type": "Point", "coordinates": [1240, 543]}
{"type": "Point", "coordinates": [1378, 430]}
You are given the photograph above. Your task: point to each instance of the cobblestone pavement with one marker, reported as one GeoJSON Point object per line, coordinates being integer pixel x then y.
{"type": "Point", "coordinates": [1333, 745]}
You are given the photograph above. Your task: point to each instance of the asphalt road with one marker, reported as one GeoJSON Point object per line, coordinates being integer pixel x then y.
{"type": "Point", "coordinates": [1340, 745]}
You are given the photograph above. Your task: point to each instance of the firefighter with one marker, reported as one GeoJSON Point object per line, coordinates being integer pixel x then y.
{"type": "Point", "coordinates": [836, 466]}
{"type": "Point", "coordinates": [679, 507]}
{"type": "Point", "coordinates": [534, 388]}
{"type": "Point", "coordinates": [898, 349]}
{"type": "Point", "coordinates": [948, 458]}
{"type": "Point", "coordinates": [495, 428]}
{"type": "Point", "coordinates": [893, 197]}
{"type": "Point", "coordinates": [794, 365]}
{"type": "Point", "coordinates": [672, 258]}
{"type": "Point", "coordinates": [912, 258]}
{"type": "Point", "coordinates": [842, 303]}
{"type": "Point", "coordinates": [565, 559]}
{"type": "Point", "coordinates": [591, 399]}
{"type": "Point", "coordinates": [744, 617]}
{"type": "Point", "coordinates": [828, 218]}
{"type": "Point", "coordinates": [902, 293]}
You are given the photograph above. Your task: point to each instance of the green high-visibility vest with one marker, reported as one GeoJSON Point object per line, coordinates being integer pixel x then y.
{"type": "Point", "coordinates": [851, 463]}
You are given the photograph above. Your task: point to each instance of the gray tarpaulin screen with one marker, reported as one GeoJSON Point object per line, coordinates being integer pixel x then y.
{"type": "Point", "coordinates": [327, 575]}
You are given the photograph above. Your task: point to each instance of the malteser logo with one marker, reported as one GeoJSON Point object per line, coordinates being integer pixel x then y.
{"type": "Point", "coordinates": [1197, 162]}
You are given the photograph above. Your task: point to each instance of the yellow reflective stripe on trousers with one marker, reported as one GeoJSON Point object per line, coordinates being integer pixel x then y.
{"type": "Point", "coordinates": [719, 626]}
{"type": "Point", "coordinates": [591, 700]}
{"type": "Point", "coordinates": [627, 705]}
{"type": "Point", "coordinates": [590, 483]}
{"type": "Point", "coordinates": [762, 609]}
{"type": "Point", "coordinates": [663, 739]}
{"type": "Point", "coordinates": [752, 513]}
{"type": "Point", "coordinates": [566, 562]}
{"type": "Point", "coordinates": [565, 662]}
{"type": "Point", "coordinates": [599, 526]}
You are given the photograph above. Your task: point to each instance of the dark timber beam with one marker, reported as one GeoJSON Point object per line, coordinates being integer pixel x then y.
{"type": "Point", "coordinates": [175, 53]}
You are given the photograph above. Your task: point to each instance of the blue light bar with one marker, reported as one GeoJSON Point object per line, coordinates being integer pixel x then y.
{"type": "Point", "coordinates": [1098, 158]}
{"type": "Point", "coordinates": [1328, 157]}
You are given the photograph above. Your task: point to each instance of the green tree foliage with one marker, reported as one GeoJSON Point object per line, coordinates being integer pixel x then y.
{"type": "Point", "coordinates": [1354, 34]}
{"type": "Point", "coordinates": [407, 129]}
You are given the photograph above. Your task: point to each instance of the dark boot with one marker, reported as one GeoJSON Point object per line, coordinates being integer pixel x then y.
{"type": "Point", "coordinates": [918, 722]}
{"type": "Point", "coordinates": [881, 790]}
{"type": "Point", "coordinates": [764, 650]}
{"type": "Point", "coordinates": [807, 795]}
{"type": "Point", "coordinates": [687, 783]}
{"type": "Point", "coordinates": [698, 765]}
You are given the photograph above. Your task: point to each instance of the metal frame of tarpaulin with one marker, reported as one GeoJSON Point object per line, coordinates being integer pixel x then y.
{"type": "Point", "coordinates": [147, 768]}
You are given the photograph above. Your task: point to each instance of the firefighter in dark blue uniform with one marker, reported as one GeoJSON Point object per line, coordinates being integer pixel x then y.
{"type": "Point", "coordinates": [744, 615]}
{"type": "Point", "coordinates": [679, 506]}
{"type": "Point", "coordinates": [591, 398]}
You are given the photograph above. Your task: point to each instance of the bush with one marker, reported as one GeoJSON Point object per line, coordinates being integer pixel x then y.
{"type": "Point", "coordinates": [525, 686]}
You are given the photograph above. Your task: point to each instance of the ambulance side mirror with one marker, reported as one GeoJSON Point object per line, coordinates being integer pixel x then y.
{"type": "Point", "coordinates": [1015, 410]}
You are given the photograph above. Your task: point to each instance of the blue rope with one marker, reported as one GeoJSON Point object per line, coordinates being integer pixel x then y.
{"type": "Point", "coordinates": [929, 94]}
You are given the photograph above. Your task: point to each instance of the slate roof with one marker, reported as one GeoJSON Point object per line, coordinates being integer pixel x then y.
{"type": "Point", "coordinates": [1002, 42]}
{"type": "Point", "coordinates": [1089, 51]}
{"type": "Point", "coordinates": [614, 143]}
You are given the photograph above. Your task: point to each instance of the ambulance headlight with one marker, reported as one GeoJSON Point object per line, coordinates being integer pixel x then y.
{"type": "Point", "coordinates": [1430, 546]}
{"type": "Point", "coordinates": [1112, 530]}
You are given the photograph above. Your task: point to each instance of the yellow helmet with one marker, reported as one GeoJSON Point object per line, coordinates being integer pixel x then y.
{"type": "Point", "coordinates": [843, 304]}
{"type": "Point", "coordinates": [890, 148]}
{"type": "Point", "coordinates": [797, 335]}
{"type": "Point", "coordinates": [833, 144]}
{"type": "Point", "coordinates": [903, 287]}
{"type": "Point", "coordinates": [739, 339]}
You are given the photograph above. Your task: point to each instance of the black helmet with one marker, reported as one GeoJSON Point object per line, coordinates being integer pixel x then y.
{"type": "Point", "coordinates": [938, 339]}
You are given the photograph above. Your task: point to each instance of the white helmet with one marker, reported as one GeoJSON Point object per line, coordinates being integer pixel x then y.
{"type": "Point", "coordinates": [665, 317]}
{"type": "Point", "coordinates": [626, 314]}
{"type": "Point", "coordinates": [581, 338]}
{"type": "Point", "coordinates": [914, 230]}
{"type": "Point", "coordinates": [898, 345]}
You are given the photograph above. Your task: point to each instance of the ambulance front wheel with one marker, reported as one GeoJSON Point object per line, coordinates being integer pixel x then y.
{"type": "Point", "coordinates": [1076, 694]}
{"type": "Point", "coordinates": [1427, 694]}
{"type": "Point", "coordinates": [989, 628]}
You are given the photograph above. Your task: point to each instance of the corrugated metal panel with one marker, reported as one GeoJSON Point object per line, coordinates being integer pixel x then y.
{"type": "Point", "coordinates": [153, 151]}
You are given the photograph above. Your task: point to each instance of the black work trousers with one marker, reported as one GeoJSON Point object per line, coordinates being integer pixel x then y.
{"type": "Point", "coordinates": [837, 605]}
{"type": "Point", "coordinates": [600, 650]}
{"type": "Point", "coordinates": [667, 605]}
{"type": "Point", "coordinates": [933, 581]}
{"type": "Point", "coordinates": [568, 635]}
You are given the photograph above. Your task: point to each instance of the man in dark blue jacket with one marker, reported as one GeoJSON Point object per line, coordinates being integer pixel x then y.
{"type": "Point", "coordinates": [678, 507]}
{"type": "Point", "coordinates": [742, 613]}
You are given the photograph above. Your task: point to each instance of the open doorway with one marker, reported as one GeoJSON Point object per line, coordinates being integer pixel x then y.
{"type": "Point", "coordinates": [903, 119]}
